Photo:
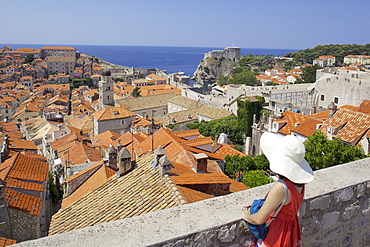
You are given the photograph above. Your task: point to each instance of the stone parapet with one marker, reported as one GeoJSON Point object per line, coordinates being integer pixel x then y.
{"type": "Point", "coordinates": [335, 212]}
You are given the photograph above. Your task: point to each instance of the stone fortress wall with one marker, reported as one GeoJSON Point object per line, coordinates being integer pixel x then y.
{"type": "Point", "coordinates": [335, 212]}
{"type": "Point", "coordinates": [228, 52]}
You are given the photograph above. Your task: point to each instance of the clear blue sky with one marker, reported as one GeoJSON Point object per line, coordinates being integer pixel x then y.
{"type": "Point", "coordinates": [289, 24]}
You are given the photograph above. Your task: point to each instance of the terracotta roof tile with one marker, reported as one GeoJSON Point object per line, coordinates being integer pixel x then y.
{"type": "Point", "coordinates": [115, 112]}
{"type": "Point", "coordinates": [187, 133]}
{"type": "Point", "coordinates": [198, 142]}
{"type": "Point", "coordinates": [6, 242]}
{"type": "Point", "coordinates": [147, 102]}
{"type": "Point", "coordinates": [351, 125]}
{"type": "Point", "coordinates": [24, 173]}
{"type": "Point", "coordinates": [23, 185]}
{"type": "Point", "coordinates": [27, 168]}
{"type": "Point", "coordinates": [139, 192]}
{"type": "Point", "coordinates": [94, 181]}
{"type": "Point", "coordinates": [106, 138]}
{"type": "Point", "coordinates": [21, 144]}
{"type": "Point", "coordinates": [201, 178]}
{"type": "Point", "coordinates": [301, 124]}
{"type": "Point", "coordinates": [224, 150]}
{"type": "Point", "coordinates": [191, 195]}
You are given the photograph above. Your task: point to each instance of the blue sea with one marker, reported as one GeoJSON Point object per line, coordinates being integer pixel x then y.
{"type": "Point", "coordinates": [170, 58]}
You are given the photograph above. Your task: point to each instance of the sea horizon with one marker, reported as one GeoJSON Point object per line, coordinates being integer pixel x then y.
{"type": "Point", "coordinates": [170, 58]}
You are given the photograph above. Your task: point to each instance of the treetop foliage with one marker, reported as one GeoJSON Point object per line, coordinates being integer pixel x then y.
{"type": "Point", "coordinates": [320, 153]}
{"type": "Point", "coordinates": [323, 153]}
{"type": "Point", "coordinates": [228, 125]}
{"type": "Point", "coordinates": [339, 51]}
{"type": "Point", "coordinates": [308, 75]}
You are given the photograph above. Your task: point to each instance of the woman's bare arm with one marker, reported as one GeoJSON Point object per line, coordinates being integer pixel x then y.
{"type": "Point", "coordinates": [275, 197]}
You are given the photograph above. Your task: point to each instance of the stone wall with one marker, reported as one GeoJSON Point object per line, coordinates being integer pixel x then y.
{"type": "Point", "coordinates": [335, 212]}
{"type": "Point", "coordinates": [23, 226]}
{"type": "Point", "coordinates": [345, 87]}
{"type": "Point", "coordinates": [339, 218]}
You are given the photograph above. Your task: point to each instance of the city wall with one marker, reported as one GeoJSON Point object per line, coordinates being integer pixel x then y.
{"type": "Point", "coordinates": [335, 212]}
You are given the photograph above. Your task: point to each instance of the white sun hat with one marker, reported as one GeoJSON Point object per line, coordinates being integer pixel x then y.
{"type": "Point", "coordinates": [286, 157]}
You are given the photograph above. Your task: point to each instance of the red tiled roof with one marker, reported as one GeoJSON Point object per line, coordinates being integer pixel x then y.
{"type": "Point", "coordinates": [201, 178]}
{"type": "Point", "coordinates": [23, 202]}
{"type": "Point", "coordinates": [191, 195]}
{"type": "Point", "coordinates": [198, 142]}
{"type": "Point", "coordinates": [25, 173]}
{"type": "Point", "coordinates": [186, 133]}
{"type": "Point", "coordinates": [115, 112]}
{"type": "Point", "coordinates": [351, 125]}
{"type": "Point", "coordinates": [94, 181]}
{"type": "Point", "coordinates": [6, 242]}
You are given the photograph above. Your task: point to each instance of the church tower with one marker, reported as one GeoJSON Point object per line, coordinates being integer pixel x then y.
{"type": "Point", "coordinates": [106, 90]}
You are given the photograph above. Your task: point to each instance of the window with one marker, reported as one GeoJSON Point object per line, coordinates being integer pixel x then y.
{"type": "Point", "coordinates": [322, 97]}
{"type": "Point", "coordinates": [2, 226]}
{"type": "Point", "coordinates": [122, 121]}
{"type": "Point", "coordinates": [336, 100]}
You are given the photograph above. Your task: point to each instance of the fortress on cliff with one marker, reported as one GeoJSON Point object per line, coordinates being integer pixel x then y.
{"type": "Point", "coordinates": [229, 52]}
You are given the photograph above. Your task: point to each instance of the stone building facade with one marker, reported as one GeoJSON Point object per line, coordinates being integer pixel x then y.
{"type": "Point", "coordinates": [117, 119]}
{"type": "Point", "coordinates": [106, 90]}
{"type": "Point", "coordinates": [350, 59]}
{"type": "Point", "coordinates": [63, 65]}
{"type": "Point", "coordinates": [58, 51]}
{"type": "Point", "coordinates": [229, 52]}
{"type": "Point", "coordinates": [342, 87]}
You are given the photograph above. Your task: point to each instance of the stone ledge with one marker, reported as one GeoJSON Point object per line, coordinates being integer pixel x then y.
{"type": "Point", "coordinates": [177, 222]}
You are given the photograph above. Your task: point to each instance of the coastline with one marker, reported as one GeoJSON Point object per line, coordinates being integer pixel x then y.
{"type": "Point", "coordinates": [105, 65]}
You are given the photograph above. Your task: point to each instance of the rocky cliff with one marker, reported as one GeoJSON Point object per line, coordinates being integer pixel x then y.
{"type": "Point", "coordinates": [210, 67]}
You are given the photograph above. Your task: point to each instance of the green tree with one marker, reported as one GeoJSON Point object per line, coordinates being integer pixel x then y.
{"type": "Point", "coordinates": [242, 75]}
{"type": "Point", "coordinates": [256, 178]}
{"type": "Point", "coordinates": [309, 74]}
{"type": "Point", "coordinates": [222, 80]}
{"type": "Point", "coordinates": [246, 109]}
{"type": "Point", "coordinates": [54, 193]}
{"type": "Point", "coordinates": [236, 163]}
{"type": "Point", "coordinates": [322, 153]}
{"type": "Point", "coordinates": [29, 58]}
{"type": "Point", "coordinates": [261, 162]}
{"type": "Point", "coordinates": [228, 125]}
{"type": "Point", "coordinates": [339, 51]}
{"type": "Point", "coordinates": [88, 82]}
{"type": "Point", "coordinates": [136, 92]}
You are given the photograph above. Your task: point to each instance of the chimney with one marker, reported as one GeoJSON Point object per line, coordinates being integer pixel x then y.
{"type": "Point", "coordinates": [165, 166]}
{"type": "Point", "coordinates": [331, 131]}
{"type": "Point", "coordinates": [202, 160]}
{"type": "Point", "coordinates": [2, 192]}
{"type": "Point", "coordinates": [159, 153]}
{"type": "Point", "coordinates": [124, 162]}
{"type": "Point", "coordinates": [332, 108]}
{"type": "Point", "coordinates": [314, 110]}
{"type": "Point", "coordinates": [119, 146]}
{"type": "Point", "coordinates": [112, 158]}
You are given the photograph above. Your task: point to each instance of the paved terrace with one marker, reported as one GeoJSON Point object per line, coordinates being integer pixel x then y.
{"type": "Point", "coordinates": [336, 212]}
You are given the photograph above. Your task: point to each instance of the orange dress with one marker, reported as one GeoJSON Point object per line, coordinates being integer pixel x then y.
{"type": "Point", "coordinates": [285, 230]}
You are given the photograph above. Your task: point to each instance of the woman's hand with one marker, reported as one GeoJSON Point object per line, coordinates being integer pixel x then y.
{"type": "Point", "coordinates": [246, 212]}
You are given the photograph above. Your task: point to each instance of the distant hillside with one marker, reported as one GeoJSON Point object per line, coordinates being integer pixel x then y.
{"type": "Point", "coordinates": [339, 51]}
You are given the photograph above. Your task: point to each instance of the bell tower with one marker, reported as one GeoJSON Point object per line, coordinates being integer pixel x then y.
{"type": "Point", "coordinates": [106, 90]}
